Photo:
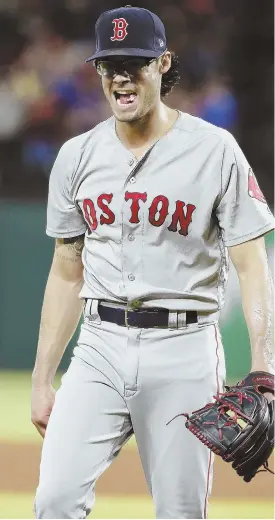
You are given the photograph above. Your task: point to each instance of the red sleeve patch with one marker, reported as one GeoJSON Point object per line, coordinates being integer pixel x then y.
{"type": "Point", "coordinates": [254, 190]}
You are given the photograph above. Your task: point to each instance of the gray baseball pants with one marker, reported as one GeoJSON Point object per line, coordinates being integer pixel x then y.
{"type": "Point", "coordinates": [123, 380]}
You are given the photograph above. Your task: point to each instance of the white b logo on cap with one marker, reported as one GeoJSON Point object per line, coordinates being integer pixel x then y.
{"type": "Point", "coordinates": [120, 32]}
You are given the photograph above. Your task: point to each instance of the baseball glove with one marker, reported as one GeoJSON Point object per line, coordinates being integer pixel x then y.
{"type": "Point", "coordinates": [239, 424]}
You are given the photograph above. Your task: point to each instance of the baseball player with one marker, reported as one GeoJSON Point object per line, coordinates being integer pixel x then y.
{"type": "Point", "coordinates": [144, 209]}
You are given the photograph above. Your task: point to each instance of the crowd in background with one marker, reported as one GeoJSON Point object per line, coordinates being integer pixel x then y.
{"type": "Point", "coordinates": [49, 94]}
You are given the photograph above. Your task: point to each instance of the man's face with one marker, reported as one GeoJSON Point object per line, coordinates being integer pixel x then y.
{"type": "Point", "coordinates": [132, 85]}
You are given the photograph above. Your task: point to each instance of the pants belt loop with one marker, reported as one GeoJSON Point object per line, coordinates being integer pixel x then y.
{"type": "Point", "coordinates": [173, 320]}
{"type": "Point", "coordinates": [86, 308]}
{"type": "Point", "coordinates": [93, 311]}
{"type": "Point", "coordinates": [181, 319]}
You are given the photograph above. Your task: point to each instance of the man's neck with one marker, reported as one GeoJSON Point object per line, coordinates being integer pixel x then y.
{"type": "Point", "coordinates": [148, 129]}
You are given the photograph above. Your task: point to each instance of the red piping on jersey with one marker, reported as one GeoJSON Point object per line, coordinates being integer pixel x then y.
{"type": "Point", "coordinates": [210, 457]}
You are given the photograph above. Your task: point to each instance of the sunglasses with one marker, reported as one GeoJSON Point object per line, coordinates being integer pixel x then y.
{"type": "Point", "coordinates": [132, 66]}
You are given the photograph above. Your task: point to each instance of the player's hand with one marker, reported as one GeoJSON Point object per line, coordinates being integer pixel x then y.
{"type": "Point", "coordinates": [264, 368]}
{"type": "Point", "coordinates": [270, 397]}
{"type": "Point", "coordinates": [42, 401]}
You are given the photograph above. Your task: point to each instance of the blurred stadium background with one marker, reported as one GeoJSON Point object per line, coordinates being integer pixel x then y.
{"type": "Point", "coordinates": [49, 94]}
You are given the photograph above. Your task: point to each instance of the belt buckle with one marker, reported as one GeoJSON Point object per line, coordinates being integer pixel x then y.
{"type": "Point", "coordinates": [126, 320]}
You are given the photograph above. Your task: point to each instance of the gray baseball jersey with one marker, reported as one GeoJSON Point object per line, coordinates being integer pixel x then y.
{"type": "Point", "coordinates": [156, 229]}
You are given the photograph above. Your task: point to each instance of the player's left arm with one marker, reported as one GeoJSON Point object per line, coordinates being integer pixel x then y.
{"type": "Point", "coordinates": [256, 285]}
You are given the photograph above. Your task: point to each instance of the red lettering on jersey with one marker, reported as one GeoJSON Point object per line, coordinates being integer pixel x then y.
{"type": "Point", "coordinates": [120, 31]}
{"type": "Point", "coordinates": [135, 197]}
{"type": "Point", "coordinates": [154, 209]}
{"type": "Point", "coordinates": [254, 190]}
{"type": "Point", "coordinates": [110, 216]}
{"type": "Point", "coordinates": [183, 219]}
{"type": "Point", "coordinates": [90, 214]}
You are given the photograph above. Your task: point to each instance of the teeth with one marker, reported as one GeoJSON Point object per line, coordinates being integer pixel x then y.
{"type": "Point", "coordinates": [125, 99]}
{"type": "Point", "coordinates": [125, 93]}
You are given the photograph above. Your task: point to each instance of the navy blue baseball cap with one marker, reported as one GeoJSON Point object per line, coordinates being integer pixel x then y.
{"type": "Point", "coordinates": [129, 31]}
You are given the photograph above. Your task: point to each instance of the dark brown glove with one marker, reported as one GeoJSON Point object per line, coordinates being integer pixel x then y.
{"type": "Point", "coordinates": [239, 424]}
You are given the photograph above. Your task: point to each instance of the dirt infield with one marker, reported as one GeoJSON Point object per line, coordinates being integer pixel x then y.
{"type": "Point", "coordinates": [20, 466]}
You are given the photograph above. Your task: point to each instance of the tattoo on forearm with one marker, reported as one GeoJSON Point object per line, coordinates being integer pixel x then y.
{"type": "Point", "coordinates": [76, 243]}
{"type": "Point", "coordinates": [269, 344]}
{"type": "Point", "coordinates": [268, 348]}
{"type": "Point", "coordinates": [269, 357]}
{"type": "Point", "coordinates": [74, 247]}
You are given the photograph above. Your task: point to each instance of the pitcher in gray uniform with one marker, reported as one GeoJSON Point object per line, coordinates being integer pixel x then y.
{"type": "Point", "coordinates": [144, 209]}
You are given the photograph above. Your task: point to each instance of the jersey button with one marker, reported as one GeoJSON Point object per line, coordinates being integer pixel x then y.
{"type": "Point", "coordinates": [132, 180]}
{"type": "Point", "coordinates": [131, 277]}
{"type": "Point", "coordinates": [131, 237]}
{"type": "Point", "coordinates": [131, 162]}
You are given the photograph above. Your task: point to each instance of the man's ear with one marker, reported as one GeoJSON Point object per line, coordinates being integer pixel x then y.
{"type": "Point", "coordinates": [165, 62]}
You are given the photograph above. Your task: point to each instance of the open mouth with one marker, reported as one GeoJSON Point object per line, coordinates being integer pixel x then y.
{"type": "Point", "coordinates": [125, 98]}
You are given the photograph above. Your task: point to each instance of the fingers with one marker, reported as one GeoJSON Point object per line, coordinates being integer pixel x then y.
{"type": "Point", "coordinates": [41, 426]}
{"type": "Point", "coordinates": [269, 396]}
{"type": "Point", "coordinates": [42, 402]}
{"type": "Point", "coordinates": [41, 430]}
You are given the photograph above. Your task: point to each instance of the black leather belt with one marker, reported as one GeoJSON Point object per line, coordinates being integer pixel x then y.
{"type": "Point", "coordinates": [142, 318]}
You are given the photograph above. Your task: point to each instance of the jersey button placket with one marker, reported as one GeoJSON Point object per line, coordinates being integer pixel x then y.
{"type": "Point", "coordinates": [131, 235]}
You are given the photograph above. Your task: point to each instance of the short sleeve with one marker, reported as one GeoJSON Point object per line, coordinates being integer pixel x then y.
{"type": "Point", "coordinates": [242, 212]}
{"type": "Point", "coordinates": [64, 218]}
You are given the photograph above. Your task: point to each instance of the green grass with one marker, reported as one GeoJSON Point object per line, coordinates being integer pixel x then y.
{"type": "Point", "coordinates": [20, 506]}
{"type": "Point", "coordinates": [15, 388]}
{"type": "Point", "coordinates": [16, 426]}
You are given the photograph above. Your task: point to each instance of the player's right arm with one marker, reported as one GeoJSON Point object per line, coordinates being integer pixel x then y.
{"type": "Point", "coordinates": [61, 306]}
{"type": "Point", "coordinates": [60, 315]}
